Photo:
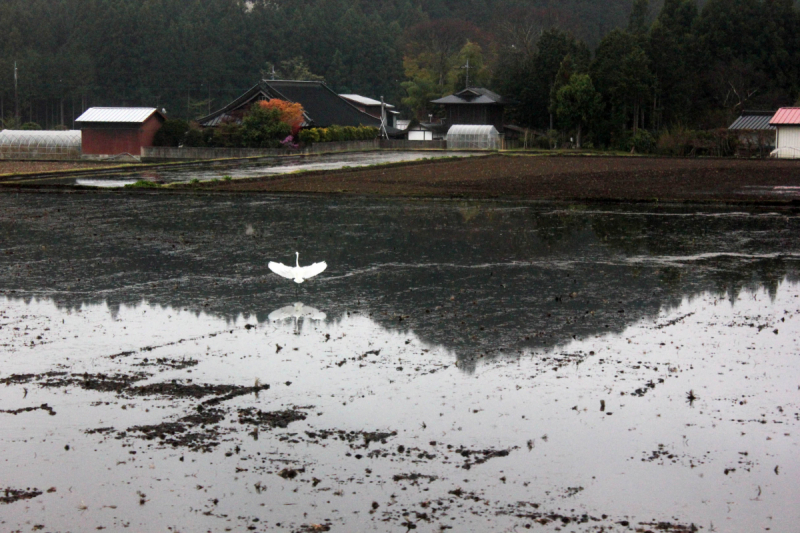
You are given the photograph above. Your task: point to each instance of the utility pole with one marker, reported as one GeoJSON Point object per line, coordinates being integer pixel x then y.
{"type": "Point", "coordinates": [383, 120]}
{"type": "Point", "coordinates": [467, 67]}
{"type": "Point", "coordinates": [16, 94]}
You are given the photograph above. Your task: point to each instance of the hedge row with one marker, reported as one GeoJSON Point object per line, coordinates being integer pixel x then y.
{"type": "Point", "coordinates": [338, 134]}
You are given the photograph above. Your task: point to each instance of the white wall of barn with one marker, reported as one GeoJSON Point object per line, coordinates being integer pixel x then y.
{"type": "Point", "coordinates": [788, 142]}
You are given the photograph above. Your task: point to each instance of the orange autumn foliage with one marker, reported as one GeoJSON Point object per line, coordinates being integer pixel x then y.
{"type": "Point", "coordinates": [291, 114]}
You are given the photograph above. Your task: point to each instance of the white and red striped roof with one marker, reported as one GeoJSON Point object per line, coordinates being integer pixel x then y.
{"type": "Point", "coordinates": [117, 114]}
{"type": "Point", "coordinates": [786, 116]}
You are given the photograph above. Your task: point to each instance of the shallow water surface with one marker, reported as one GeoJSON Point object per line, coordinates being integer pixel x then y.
{"type": "Point", "coordinates": [269, 167]}
{"type": "Point", "coordinates": [474, 366]}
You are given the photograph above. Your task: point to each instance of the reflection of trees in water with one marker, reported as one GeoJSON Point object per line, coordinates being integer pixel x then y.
{"type": "Point", "coordinates": [476, 277]}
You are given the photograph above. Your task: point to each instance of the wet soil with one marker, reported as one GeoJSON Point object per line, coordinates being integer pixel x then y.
{"type": "Point", "coordinates": [9, 495]}
{"type": "Point", "coordinates": [553, 178]}
{"type": "Point", "coordinates": [463, 366]}
{"type": "Point", "coordinates": [26, 167]}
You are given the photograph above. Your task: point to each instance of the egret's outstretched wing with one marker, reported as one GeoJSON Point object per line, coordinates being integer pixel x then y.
{"type": "Point", "coordinates": [283, 313]}
{"type": "Point", "coordinates": [282, 270]}
{"type": "Point", "coordinates": [312, 270]}
{"type": "Point", "coordinates": [313, 314]}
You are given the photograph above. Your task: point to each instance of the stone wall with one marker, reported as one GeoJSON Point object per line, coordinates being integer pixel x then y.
{"type": "Point", "coordinates": [391, 144]}
{"type": "Point", "coordinates": [163, 153]}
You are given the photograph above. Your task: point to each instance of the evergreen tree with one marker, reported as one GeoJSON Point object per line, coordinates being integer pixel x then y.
{"type": "Point", "coordinates": [578, 104]}
{"type": "Point", "coordinates": [638, 21]}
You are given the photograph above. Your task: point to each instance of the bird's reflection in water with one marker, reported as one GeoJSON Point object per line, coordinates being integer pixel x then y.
{"type": "Point", "coordinates": [298, 312]}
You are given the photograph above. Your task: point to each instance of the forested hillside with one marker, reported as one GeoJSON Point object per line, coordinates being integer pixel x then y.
{"type": "Point", "coordinates": [651, 64]}
{"type": "Point", "coordinates": [177, 53]}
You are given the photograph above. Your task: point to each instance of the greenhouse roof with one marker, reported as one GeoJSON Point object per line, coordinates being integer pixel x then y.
{"type": "Point", "coordinates": [40, 138]}
{"type": "Point", "coordinates": [471, 129]}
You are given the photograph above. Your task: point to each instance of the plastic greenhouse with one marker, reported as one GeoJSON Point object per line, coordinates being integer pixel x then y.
{"type": "Point", "coordinates": [472, 137]}
{"type": "Point", "coordinates": [38, 144]}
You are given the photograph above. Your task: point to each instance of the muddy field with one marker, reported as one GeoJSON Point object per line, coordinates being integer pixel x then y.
{"type": "Point", "coordinates": [461, 366]}
{"type": "Point", "coordinates": [24, 167]}
{"type": "Point", "coordinates": [555, 178]}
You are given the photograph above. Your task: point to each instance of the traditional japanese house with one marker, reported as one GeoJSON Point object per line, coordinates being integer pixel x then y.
{"type": "Point", "coordinates": [322, 106]}
{"type": "Point", "coordinates": [474, 106]}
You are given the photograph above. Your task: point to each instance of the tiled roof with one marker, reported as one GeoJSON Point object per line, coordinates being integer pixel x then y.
{"type": "Point", "coordinates": [117, 114]}
{"type": "Point", "coordinates": [474, 96]}
{"type": "Point", "coordinates": [322, 106]}
{"type": "Point", "coordinates": [753, 120]}
{"type": "Point", "coordinates": [786, 116]}
{"type": "Point", "coordinates": [364, 100]}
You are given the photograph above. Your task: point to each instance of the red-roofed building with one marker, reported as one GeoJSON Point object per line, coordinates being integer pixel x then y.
{"type": "Point", "coordinates": [118, 131]}
{"type": "Point", "coordinates": [787, 140]}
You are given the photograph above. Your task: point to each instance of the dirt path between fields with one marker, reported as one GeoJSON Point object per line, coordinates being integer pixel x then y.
{"type": "Point", "coordinates": [551, 178]}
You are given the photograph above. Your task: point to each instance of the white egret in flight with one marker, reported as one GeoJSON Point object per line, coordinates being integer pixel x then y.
{"type": "Point", "coordinates": [297, 273]}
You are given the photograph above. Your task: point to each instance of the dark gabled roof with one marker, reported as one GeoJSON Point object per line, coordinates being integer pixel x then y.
{"type": "Point", "coordinates": [473, 96]}
{"type": "Point", "coordinates": [753, 120]}
{"type": "Point", "coordinates": [322, 106]}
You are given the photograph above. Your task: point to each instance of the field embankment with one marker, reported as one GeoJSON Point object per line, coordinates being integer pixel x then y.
{"type": "Point", "coordinates": [551, 178]}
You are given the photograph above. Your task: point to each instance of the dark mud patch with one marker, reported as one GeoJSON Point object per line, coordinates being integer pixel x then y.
{"type": "Point", "coordinates": [291, 473]}
{"type": "Point", "coordinates": [181, 432]}
{"type": "Point", "coordinates": [125, 385]}
{"type": "Point", "coordinates": [43, 407]}
{"type": "Point", "coordinates": [10, 495]}
{"type": "Point", "coordinates": [271, 419]}
{"type": "Point", "coordinates": [414, 478]}
{"type": "Point", "coordinates": [24, 379]}
{"type": "Point", "coordinates": [96, 382]}
{"type": "Point", "coordinates": [313, 528]}
{"type": "Point", "coordinates": [179, 390]}
{"type": "Point", "coordinates": [435, 509]}
{"type": "Point", "coordinates": [165, 363]}
{"type": "Point", "coordinates": [532, 516]}
{"type": "Point", "coordinates": [664, 455]}
{"type": "Point", "coordinates": [356, 439]}
{"type": "Point", "coordinates": [477, 457]}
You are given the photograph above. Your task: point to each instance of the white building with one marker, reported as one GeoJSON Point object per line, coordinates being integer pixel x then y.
{"type": "Point", "coordinates": [787, 138]}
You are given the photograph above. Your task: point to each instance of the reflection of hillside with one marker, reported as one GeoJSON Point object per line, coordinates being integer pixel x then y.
{"type": "Point", "coordinates": [476, 278]}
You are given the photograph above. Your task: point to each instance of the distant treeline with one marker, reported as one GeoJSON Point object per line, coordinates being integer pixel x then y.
{"type": "Point", "coordinates": [654, 64]}
{"type": "Point", "coordinates": [179, 54]}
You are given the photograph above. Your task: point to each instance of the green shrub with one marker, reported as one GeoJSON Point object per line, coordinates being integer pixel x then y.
{"type": "Point", "coordinates": [30, 126]}
{"type": "Point", "coordinates": [338, 134]}
{"type": "Point", "coordinates": [197, 137]}
{"type": "Point", "coordinates": [172, 133]}
{"type": "Point", "coordinates": [309, 136]}
{"type": "Point", "coordinates": [676, 142]}
{"type": "Point", "coordinates": [228, 135]}
{"type": "Point", "coordinates": [263, 128]}
{"type": "Point", "coordinates": [641, 142]}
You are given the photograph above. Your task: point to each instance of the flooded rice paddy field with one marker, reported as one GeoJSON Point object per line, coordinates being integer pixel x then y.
{"type": "Point", "coordinates": [460, 366]}
{"type": "Point", "coordinates": [265, 167]}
